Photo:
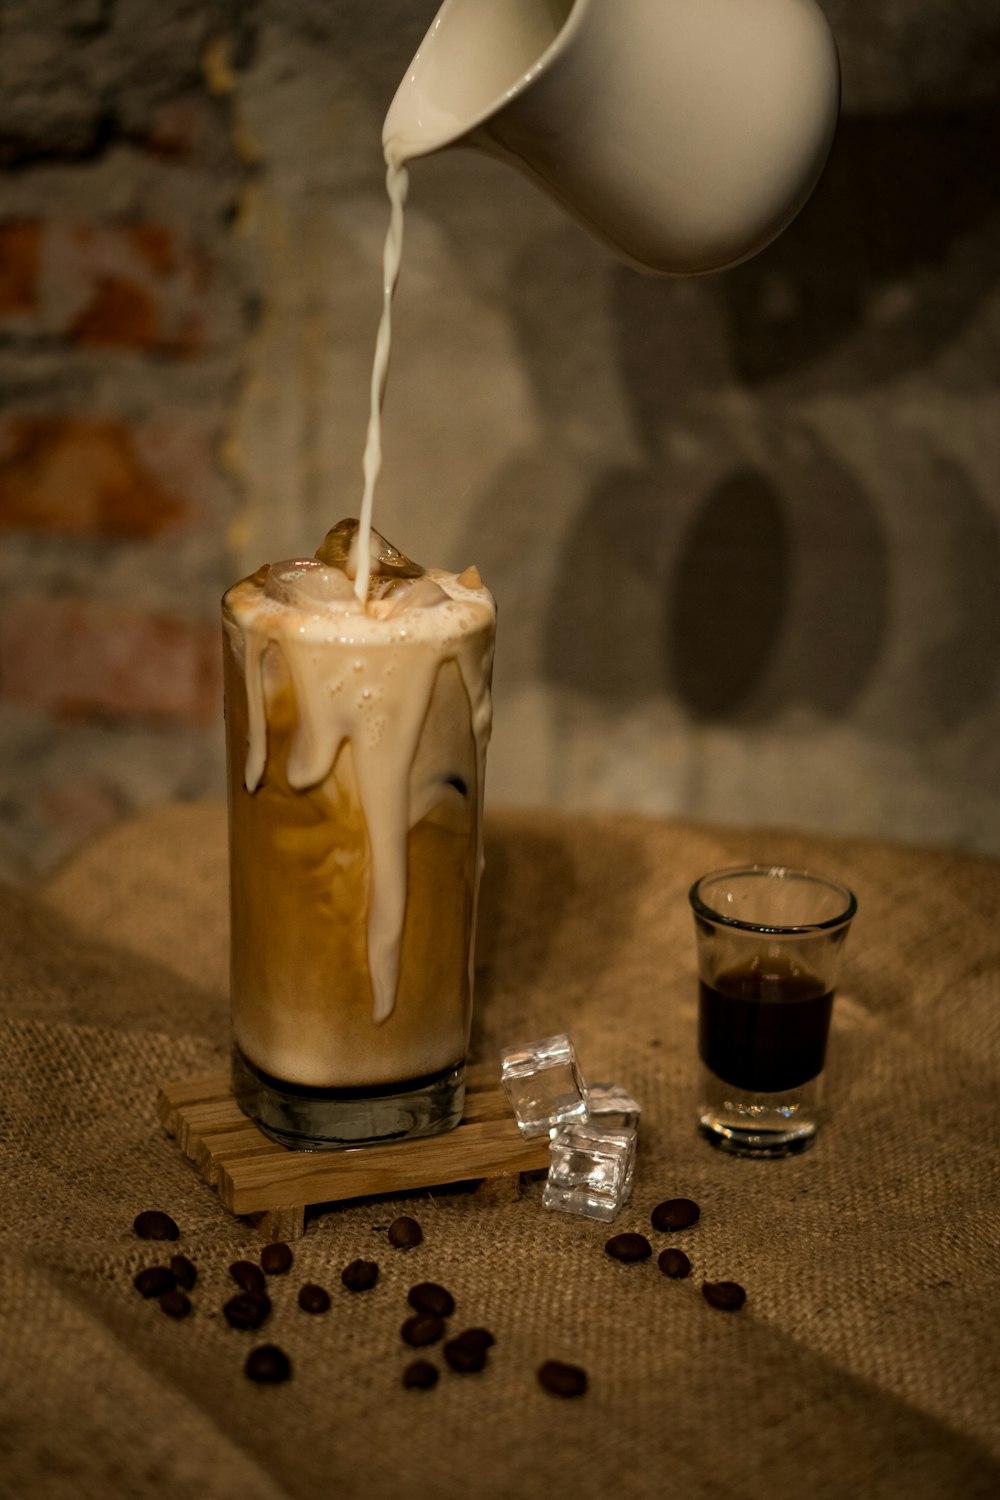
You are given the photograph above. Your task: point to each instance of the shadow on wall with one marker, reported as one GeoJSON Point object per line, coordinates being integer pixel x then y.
{"type": "Point", "coordinates": [884, 268]}
{"type": "Point", "coordinates": [732, 606]}
{"type": "Point", "coordinates": [750, 614]}
{"type": "Point", "coordinates": [755, 572]}
{"type": "Point", "coordinates": [888, 262]}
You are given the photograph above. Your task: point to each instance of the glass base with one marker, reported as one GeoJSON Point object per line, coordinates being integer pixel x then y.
{"type": "Point", "coordinates": [760, 1125]}
{"type": "Point", "coordinates": [316, 1119]}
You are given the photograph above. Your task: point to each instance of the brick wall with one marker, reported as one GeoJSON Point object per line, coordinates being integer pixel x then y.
{"type": "Point", "coordinates": [744, 531]}
{"type": "Point", "coordinates": [124, 304]}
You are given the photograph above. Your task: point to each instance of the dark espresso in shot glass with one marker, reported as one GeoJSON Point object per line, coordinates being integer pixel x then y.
{"type": "Point", "coordinates": [769, 940]}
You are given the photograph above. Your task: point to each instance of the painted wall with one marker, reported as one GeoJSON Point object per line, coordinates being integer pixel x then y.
{"type": "Point", "coordinates": [744, 530]}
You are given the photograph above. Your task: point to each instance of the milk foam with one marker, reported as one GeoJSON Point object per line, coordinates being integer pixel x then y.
{"type": "Point", "coordinates": [365, 672]}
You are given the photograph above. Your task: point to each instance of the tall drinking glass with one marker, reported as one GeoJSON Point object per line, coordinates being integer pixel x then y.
{"type": "Point", "coordinates": [356, 737]}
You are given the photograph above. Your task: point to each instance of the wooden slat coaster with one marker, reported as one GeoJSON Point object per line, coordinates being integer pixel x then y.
{"type": "Point", "coordinates": [274, 1186]}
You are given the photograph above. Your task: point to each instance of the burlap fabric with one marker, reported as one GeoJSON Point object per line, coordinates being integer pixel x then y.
{"type": "Point", "coordinates": [865, 1362]}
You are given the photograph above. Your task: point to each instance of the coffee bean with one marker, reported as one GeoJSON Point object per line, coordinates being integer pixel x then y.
{"type": "Point", "coordinates": [466, 1359]}
{"type": "Point", "coordinates": [422, 1328]}
{"type": "Point", "coordinates": [314, 1299]}
{"type": "Point", "coordinates": [404, 1233]}
{"type": "Point", "coordinates": [728, 1296]}
{"type": "Point", "coordinates": [562, 1380]}
{"type": "Point", "coordinates": [420, 1376]}
{"type": "Point", "coordinates": [428, 1297]}
{"type": "Point", "coordinates": [629, 1247]}
{"type": "Point", "coordinates": [268, 1365]}
{"type": "Point", "coordinates": [277, 1258]}
{"type": "Point", "coordinates": [675, 1213]}
{"type": "Point", "coordinates": [360, 1275]}
{"type": "Point", "coordinates": [248, 1276]}
{"type": "Point", "coordinates": [175, 1304]}
{"type": "Point", "coordinates": [476, 1338]}
{"type": "Point", "coordinates": [246, 1310]}
{"type": "Point", "coordinates": [674, 1263]}
{"type": "Point", "coordinates": [184, 1270]}
{"type": "Point", "coordinates": [154, 1225]}
{"type": "Point", "coordinates": [154, 1281]}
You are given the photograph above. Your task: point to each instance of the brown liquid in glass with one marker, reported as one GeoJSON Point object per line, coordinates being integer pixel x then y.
{"type": "Point", "coordinates": [762, 1027]}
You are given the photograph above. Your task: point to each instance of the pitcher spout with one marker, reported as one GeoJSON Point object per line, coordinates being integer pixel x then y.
{"type": "Point", "coordinates": [477, 57]}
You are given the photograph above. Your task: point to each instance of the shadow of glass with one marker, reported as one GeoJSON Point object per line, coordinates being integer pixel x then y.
{"type": "Point", "coordinates": [774, 593]}
{"type": "Point", "coordinates": [601, 625]}
{"type": "Point", "coordinates": [557, 909]}
{"type": "Point", "coordinates": [729, 601]}
{"type": "Point", "coordinates": [960, 671]}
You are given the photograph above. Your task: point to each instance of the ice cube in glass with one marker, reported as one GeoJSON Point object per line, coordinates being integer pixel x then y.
{"type": "Point", "coordinates": [590, 1170]}
{"type": "Point", "coordinates": [609, 1105]}
{"type": "Point", "coordinates": [543, 1084]}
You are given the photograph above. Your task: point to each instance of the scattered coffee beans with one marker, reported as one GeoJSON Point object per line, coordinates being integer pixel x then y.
{"type": "Point", "coordinates": [476, 1338]}
{"type": "Point", "coordinates": [314, 1299]}
{"type": "Point", "coordinates": [154, 1225]}
{"type": "Point", "coordinates": [420, 1376]}
{"type": "Point", "coordinates": [248, 1276]}
{"type": "Point", "coordinates": [629, 1247]}
{"type": "Point", "coordinates": [466, 1359]}
{"type": "Point", "coordinates": [175, 1304]}
{"type": "Point", "coordinates": [562, 1380]}
{"type": "Point", "coordinates": [360, 1275]}
{"type": "Point", "coordinates": [404, 1233]}
{"type": "Point", "coordinates": [422, 1328]}
{"type": "Point", "coordinates": [729, 1296]}
{"type": "Point", "coordinates": [185, 1272]}
{"type": "Point", "coordinates": [277, 1258]}
{"type": "Point", "coordinates": [676, 1213]}
{"type": "Point", "coordinates": [674, 1263]}
{"type": "Point", "coordinates": [428, 1297]}
{"type": "Point", "coordinates": [154, 1281]}
{"type": "Point", "coordinates": [268, 1365]}
{"type": "Point", "coordinates": [246, 1310]}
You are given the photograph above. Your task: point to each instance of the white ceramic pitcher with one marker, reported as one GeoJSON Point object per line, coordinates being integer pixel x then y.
{"type": "Point", "coordinates": [685, 133]}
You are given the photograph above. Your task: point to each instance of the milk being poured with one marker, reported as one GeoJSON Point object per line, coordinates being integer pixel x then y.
{"type": "Point", "coordinates": [356, 639]}
{"type": "Point", "coordinates": [396, 182]}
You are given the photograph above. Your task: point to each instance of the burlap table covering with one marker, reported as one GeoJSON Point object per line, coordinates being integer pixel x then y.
{"type": "Point", "coordinates": [865, 1362]}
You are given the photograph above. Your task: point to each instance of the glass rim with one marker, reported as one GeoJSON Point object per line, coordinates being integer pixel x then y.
{"type": "Point", "coordinates": [702, 909]}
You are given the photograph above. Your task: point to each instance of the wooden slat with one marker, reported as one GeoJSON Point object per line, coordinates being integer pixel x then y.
{"type": "Point", "coordinates": [174, 1097]}
{"type": "Point", "coordinates": [215, 1151]}
{"type": "Point", "coordinates": [255, 1176]}
{"type": "Point", "coordinates": [280, 1224]}
{"type": "Point", "coordinates": [214, 1118]}
{"type": "Point", "coordinates": [488, 1148]}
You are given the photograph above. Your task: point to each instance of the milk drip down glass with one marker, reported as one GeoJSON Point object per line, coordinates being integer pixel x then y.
{"type": "Point", "coordinates": [356, 739]}
{"type": "Point", "coordinates": [769, 941]}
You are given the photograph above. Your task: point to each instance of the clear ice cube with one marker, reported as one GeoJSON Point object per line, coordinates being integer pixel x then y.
{"type": "Point", "coordinates": [543, 1084]}
{"type": "Point", "coordinates": [590, 1170]}
{"type": "Point", "coordinates": [422, 593]}
{"type": "Point", "coordinates": [305, 581]}
{"type": "Point", "coordinates": [338, 549]}
{"type": "Point", "coordinates": [611, 1107]}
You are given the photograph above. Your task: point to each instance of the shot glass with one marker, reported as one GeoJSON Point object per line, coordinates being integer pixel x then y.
{"type": "Point", "coordinates": [769, 941]}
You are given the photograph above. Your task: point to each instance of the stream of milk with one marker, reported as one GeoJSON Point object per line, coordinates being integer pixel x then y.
{"type": "Point", "coordinates": [396, 182]}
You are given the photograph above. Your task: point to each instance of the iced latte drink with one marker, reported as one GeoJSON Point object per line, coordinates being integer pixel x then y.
{"type": "Point", "coordinates": [356, 739]}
